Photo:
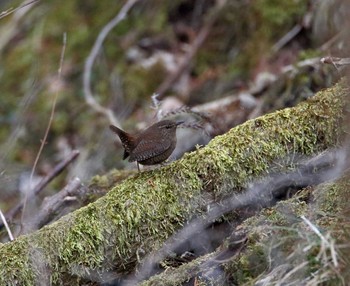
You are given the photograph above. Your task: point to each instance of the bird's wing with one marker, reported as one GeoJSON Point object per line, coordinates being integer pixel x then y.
{"type": "Point", "coordinates": [148, 148]}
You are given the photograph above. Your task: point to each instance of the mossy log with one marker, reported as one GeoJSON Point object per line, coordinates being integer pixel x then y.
{"type": "Point", "coordinates": [279, 246]}
{"type": "Point", "coordinates": [140, 213]}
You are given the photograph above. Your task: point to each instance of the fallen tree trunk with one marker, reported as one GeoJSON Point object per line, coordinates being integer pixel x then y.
{"type": "Point", "coordinates": [134, 219]}
{"type": "Point", "coordinates": [299, 241]}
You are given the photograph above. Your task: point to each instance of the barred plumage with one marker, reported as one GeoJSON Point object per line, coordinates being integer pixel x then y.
{"type": "Point", "coordinates": [152, 146]}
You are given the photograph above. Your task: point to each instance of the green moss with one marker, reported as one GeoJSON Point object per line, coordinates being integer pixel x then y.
{"type": "Point", "coordinates": [16, 258]}
{"type": "Point", "coordinates": [139, 214]}
{"type": "Point", "coordinates": [110, 179]}
{"type": "Point", "coordinates": [277, 236]}
{"type": "Point", "coordinates": [271, 238]}
{"type": "Point", "coordinates": [248, 265]}
{"type": "Point", "coordinates": [335, 200]}
{"type": "Point", "coordinates": [31, 59]}
{"type": "Point", "coordinates": [161, 211]}
{"type": "Point", "coordinates": [251, 149]}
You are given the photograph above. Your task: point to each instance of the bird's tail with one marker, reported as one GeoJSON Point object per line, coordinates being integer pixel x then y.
{"type": "Point", "coordinates": [128, 141]}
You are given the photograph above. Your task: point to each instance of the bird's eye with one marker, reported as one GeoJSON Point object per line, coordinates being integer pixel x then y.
{"type": "Point", "coordinates": [168, 127]}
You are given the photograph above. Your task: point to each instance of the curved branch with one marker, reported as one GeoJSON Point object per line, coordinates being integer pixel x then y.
{"type": "Point", "coordinates": [89, 97]}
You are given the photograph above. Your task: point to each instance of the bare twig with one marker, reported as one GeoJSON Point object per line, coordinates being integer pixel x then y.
{"type": "Point", "coordinates": [287, 38]}
{"type": "Point", "coordinates": [53, 204]}
{"type": "Point", "coordinates": [12, 10]}
{"type": "Point", "coordinates": [334, 40]}
{"type": "Point", "coordinates": [314, 62]}
{"type": "Point", "coordinates": [56, 171]}
{"type": "Point", "coordinates": [48, 125]}
{"type": "Point", "coordinates": [6, 225]}
{"type": "Point", "coordinates": [223, 254]}
{"type": "Point", "coordinates": [326, 243]}
{"type": "Point", "coordinates": [9, 30]}
{"type": "Point", "coordinates": [197, 43]}
{"type": "Point", "coordinates": [336, 61]}
{"type": "Point", "coordinates": [89, 97]}
{"type": "Point", "coordinates": [43, 183]}
{"type": "Point", "coordinates": [291, 272]}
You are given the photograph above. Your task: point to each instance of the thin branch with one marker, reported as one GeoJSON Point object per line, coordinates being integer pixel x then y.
{"type": "Point", "coordinates": [202, 264]}
{"type": "Point", "coordinates": [336, 61]}
{"type": "Point", "coordinates": [313, 62]}
{"type": "Point", "coordinates": [328, 244]}
{"type": "Point", "coordinates": [8, 31]}
{"type": "Point", "coordinates": [48, 126]}
{"type": "Point", "coordinates": [44, 182]}
{"type": "Point", "coordinates": [89, 97]}
{"type": "Point", "coordinates": [334, 40]}
{"type": "Point", "coordinates": [291, 272]}
{"type": "Point", "coordinates": [12, 10]}
{"type": "Point", "coordinates": [6, 225]}
{"type": "Point", "coordinates": [53, 204]}
{"type": "Point", "coordinates": [287, 38]}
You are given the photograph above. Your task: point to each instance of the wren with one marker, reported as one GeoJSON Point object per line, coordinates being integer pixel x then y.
{"type": "Point", "coordinates": [152, 146]}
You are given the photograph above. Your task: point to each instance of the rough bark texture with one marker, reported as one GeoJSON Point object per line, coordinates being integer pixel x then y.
{"type": "Point", "coordinates": [140, 213]}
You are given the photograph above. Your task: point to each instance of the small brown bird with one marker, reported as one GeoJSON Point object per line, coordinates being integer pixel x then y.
{"type": "Point", "coordinates": [152, 146]}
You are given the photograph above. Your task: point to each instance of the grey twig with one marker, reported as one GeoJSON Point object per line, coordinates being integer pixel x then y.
{"type": "Point", "coordinates": [53, 204]}
{"type": "Point", "coordinates": [89, 97]}
{"type": "Point", "coordinates": [6, 225]}
{"type": "Point", "coordinates": [43, 141]}
{"type": "Point", "coordinates": [43, 183]}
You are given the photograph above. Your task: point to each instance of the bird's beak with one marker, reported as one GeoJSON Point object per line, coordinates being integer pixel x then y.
{"type": "Point", "coordinates": [179, 122]}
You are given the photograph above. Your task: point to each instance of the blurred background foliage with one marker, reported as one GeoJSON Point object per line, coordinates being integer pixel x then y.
{"type": "Point", "coordinates": [136, 57]}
